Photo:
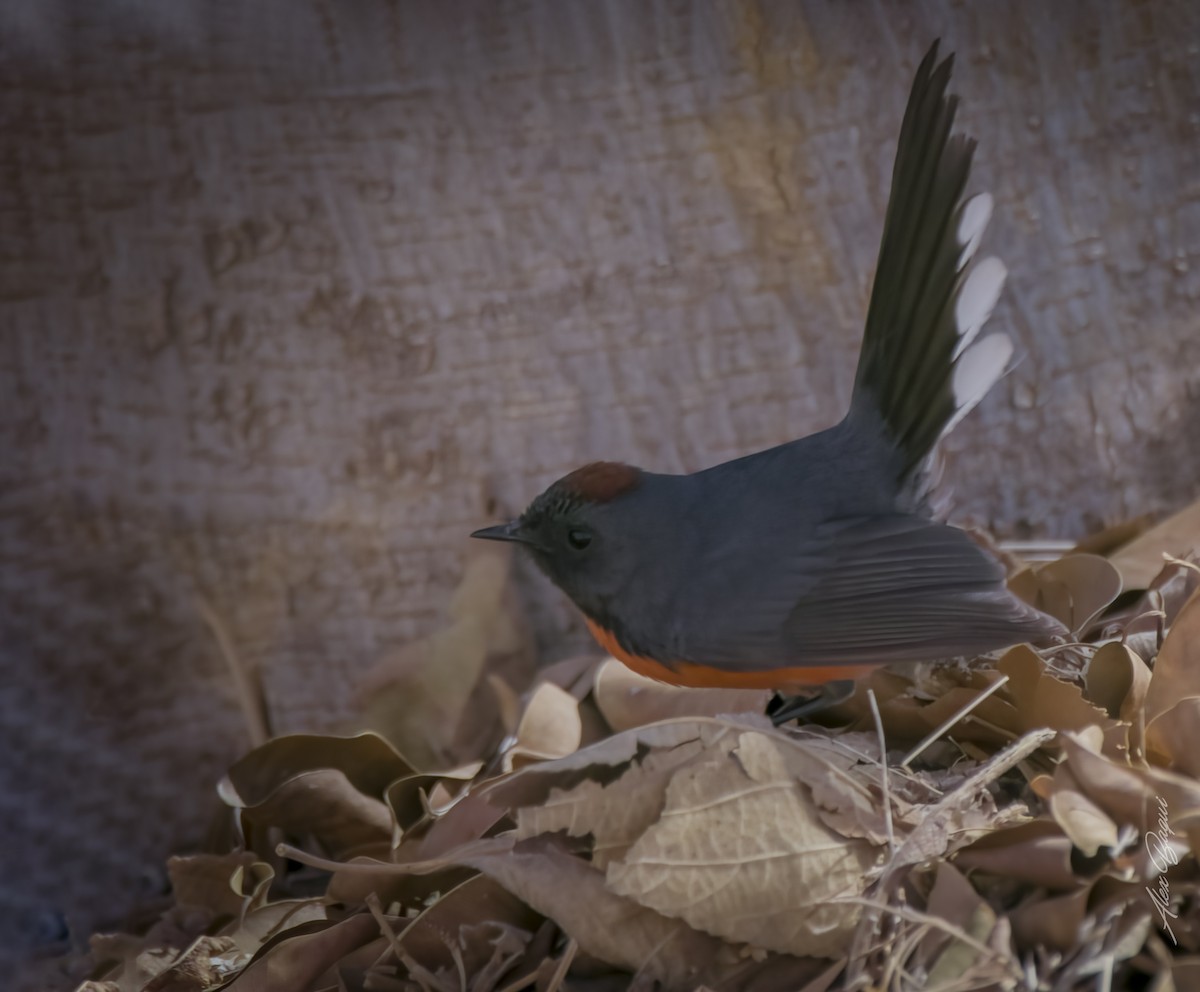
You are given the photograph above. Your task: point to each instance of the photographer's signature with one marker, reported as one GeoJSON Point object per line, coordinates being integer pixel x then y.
{"type": "Point", "coordinates": [1162, 855]}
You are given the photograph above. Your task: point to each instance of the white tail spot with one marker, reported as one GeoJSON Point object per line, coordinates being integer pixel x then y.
{"type": "Point", "coordinates": [976, 371]}
{"type": "Point", "coordinates": [977, 299]}
{"type": "Point", "coordinates": [973, 220]}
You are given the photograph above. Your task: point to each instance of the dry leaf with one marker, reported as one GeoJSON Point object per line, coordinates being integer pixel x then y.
{"type": "Point", "coordinates": [954, 900]}
{"type": "Point", "coordinates": [359, 878]}
{"type": "Point", "coordinates": [1086, 824]}
{"type": "Point", "coordinates": [328, 787]}
{"type": "Point", "coordinates": [1054, 921]}
{"type": "Point", "coordinates": [1075, 589]}
{"type": "Point", "coordinates": [1176, 671]}
{"type": "Point", "coordinates": [1172, 738]}
{"type": "Point", "coordinates": [304, 955]}
{"type": "Point", "coordinates": [1037, 853]}
{"type": "Point", "coordinates": [1173, 699]}
{"type": "Point", "coordinates": [207, 881]}
{"type": "Point", "coordinates": [1175, 585]}
{"type": "Point", "coordinates": [367, 760]}
{"type": "Point", "coordinates": [1117, 680]}
{"type": "Point", "coordinates": [1140, 797]}
{"type": "Point", "coordinates": [909, 711]}
{"type": "Point", "coordinates": [740, 851]}
{"type": "Point", "coordinates": [1142, 621]}
{"type": "Point", "coordinates": [407, 799]}
{"type": "Point", "coordinates": [261, 925]}
{"type": "Point", "coordinates": [628, 699]}
{"type": "Point", "coordinates": [1184, 974]}
{"type": "Point", "coordinates": [606, 759]}
{"type": "Point", "coordinates": [844, 783]}
{"type": "Point", "coordinates": [323, 804]}
{"type": "Point", "coordinates": [1140, 560]}
{"type": "Point", "coordinates": [468, 819]}
{"type": "Point", "coordinates": [621, 931]}
{"type": "Point", "coordinates": [702, 850]}
{"type": "Point", "coordinates": [209, 962]}
{"type": "Point", "coordinates": [572, 893]}
{"type": "Point", "coordinates": [479, 900]}
{"type": "Point", "coordinates": [1043, 700]}
{"type": "Point", "coordinates": [615, 814]}
{"type": "Point", "coordinates": [549, 728]}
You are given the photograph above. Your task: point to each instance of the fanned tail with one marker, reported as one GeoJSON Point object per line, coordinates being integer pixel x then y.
{"type": "Point", "coordinates": [923, 365]}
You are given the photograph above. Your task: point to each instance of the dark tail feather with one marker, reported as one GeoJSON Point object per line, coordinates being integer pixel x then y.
{"type": "Point", "coordinates": [922, 366]}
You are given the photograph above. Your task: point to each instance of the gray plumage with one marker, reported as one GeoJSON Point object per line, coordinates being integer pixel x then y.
{"type": "Point", "coordinates": [821, 551]}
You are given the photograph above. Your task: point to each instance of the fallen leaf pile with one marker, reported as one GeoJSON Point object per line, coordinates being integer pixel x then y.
{"type": "Point", "coordinates": [1025, 822]}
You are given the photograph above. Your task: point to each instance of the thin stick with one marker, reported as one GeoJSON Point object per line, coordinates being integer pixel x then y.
{"type": "Point", "coordinates": [883, 772]}
{"type": "Point", "coordinates": [521, 983]}
{"type": "Point", "coordinates": [1012, 755]}
{"type": "Point", "coordinates": [375, 908]}
{"type": "Point", "coordinates": [560, 973]}
{"type": "Point", "coordinates": [954, 718]}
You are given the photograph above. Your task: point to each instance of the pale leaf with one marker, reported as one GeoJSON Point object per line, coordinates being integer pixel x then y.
{"type": "Point", "coordinates": [740, 851]}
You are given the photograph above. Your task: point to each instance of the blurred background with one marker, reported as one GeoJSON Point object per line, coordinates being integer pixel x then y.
{"type": "Point", "coordinates": [296, 294]}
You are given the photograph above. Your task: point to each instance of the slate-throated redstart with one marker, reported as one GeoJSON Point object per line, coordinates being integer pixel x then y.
{"type": "Point", "coordinates": [820, 558]}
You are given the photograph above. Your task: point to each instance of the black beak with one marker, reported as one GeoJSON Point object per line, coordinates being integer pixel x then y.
{"type": "Point", "coordinates": [510, 531]}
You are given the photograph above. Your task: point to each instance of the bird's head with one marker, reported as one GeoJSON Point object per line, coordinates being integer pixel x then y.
{"type": "Point", "coordinates": [575, 533]}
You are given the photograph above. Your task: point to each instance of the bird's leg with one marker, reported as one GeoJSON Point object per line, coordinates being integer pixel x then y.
{"type": "Point", "coordinates": [829, 695]}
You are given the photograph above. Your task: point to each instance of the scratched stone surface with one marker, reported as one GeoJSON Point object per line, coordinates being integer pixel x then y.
{"type": "Point", "coordinates": [295, 294]}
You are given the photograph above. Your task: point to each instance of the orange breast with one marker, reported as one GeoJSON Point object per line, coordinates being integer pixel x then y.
{"type": "Point", "coordinates": [706, 677]}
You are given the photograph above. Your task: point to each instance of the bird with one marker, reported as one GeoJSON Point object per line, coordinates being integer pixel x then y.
{"type": "Point", "coordinates": [813, 562]}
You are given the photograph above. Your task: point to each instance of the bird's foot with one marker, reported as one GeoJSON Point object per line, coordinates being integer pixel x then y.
{"type": "Point", "coordinates": [804, 707]}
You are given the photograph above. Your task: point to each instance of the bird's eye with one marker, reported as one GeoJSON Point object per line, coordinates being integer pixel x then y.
{"type": "Point", "coordinates": [579, 538]}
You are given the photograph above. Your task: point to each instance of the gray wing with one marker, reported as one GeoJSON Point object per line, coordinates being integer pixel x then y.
{"type": "Point", "coordinates": [861, 591]}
